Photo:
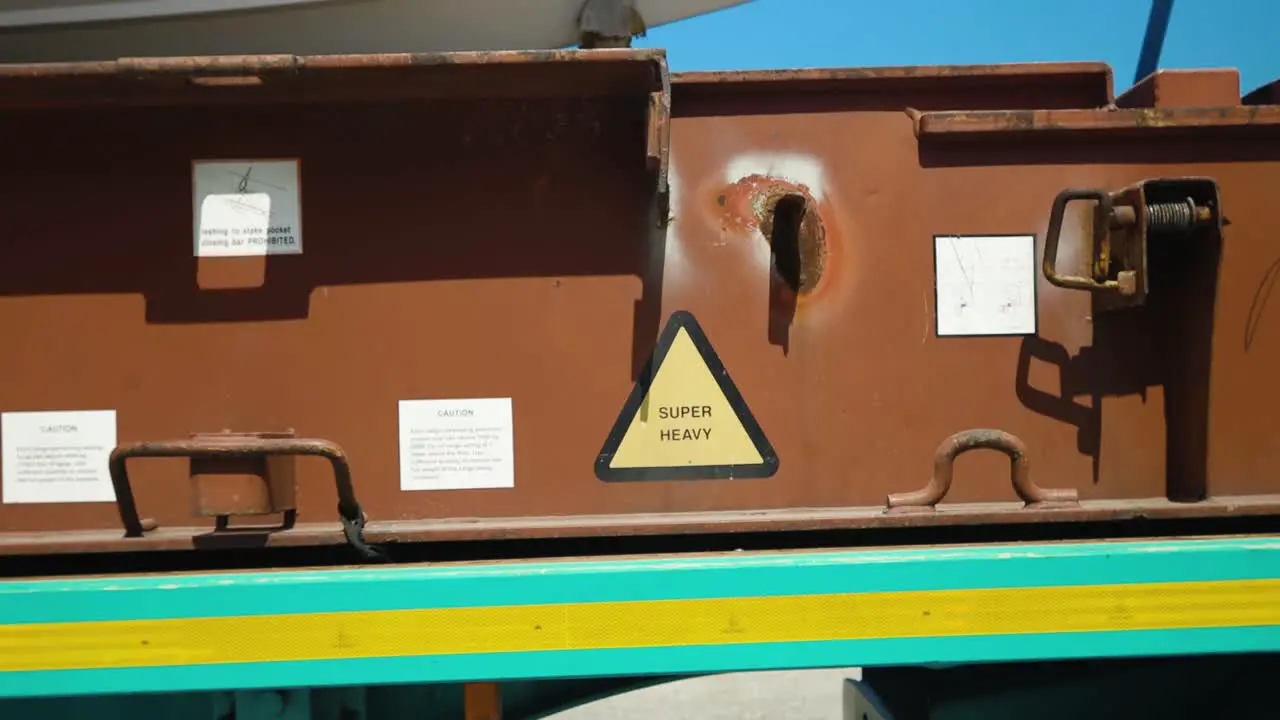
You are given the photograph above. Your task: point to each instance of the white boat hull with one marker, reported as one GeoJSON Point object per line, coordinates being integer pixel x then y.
{"type": "Point", "coordinates": [80, 30]}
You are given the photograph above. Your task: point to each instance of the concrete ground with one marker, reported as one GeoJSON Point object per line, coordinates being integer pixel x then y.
{"type": "Point", "coordinates": [794, 695]}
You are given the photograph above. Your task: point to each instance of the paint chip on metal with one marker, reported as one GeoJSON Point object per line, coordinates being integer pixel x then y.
{"type": "Point", "coordinates": [685, 419]}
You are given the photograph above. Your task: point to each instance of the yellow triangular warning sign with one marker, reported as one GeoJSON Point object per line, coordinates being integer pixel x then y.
{"type": "Point", "coordinates": [685, 419]}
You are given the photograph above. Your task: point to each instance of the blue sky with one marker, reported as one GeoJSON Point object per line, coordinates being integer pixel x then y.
{"type": "Point", "coordinates": [1244, 34]}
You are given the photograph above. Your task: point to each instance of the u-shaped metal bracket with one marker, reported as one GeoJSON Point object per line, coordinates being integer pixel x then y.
{"type": "Point", "coordinates": [215, 447]}
{"type": "Point", "coordinates": [1032, 495]}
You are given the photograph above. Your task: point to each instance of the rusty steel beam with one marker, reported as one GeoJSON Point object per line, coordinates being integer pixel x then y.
{"type": "Point", "coordinates": [257, 79]}
{"type": "Point", "coordinates": [527, 225]}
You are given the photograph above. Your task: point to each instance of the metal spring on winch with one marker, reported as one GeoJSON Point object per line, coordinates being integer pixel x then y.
{"type": "Point", "coordinates": [1179, 216]}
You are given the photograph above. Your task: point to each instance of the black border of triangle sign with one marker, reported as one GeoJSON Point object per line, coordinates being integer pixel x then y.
{"type": "Point", "coordinates": [767, 468]}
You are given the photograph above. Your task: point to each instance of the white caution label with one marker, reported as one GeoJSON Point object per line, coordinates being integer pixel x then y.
{"type": "Point", "coordinates": [685, 419]}
{"type": "Point", "coordinates": [456, 444]}
{"type": "Point", "coordinates": [57, 457]}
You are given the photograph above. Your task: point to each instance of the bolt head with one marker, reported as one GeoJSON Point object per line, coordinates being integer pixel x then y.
{"type": "Point", "coordinates": [1128, 282]}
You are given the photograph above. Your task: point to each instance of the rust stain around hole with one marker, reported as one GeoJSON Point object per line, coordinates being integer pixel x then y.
{"type": "Point", "coordinates": [788, 218]}
{"type": "Point", "coordinates": [797, 240]}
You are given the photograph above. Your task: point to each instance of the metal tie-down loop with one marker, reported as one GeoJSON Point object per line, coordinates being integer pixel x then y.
{"type": "Point", "coordinates": [1032, 495]}
{"type": "Point", "coordinates": [214, 447]}
{"type": "Point", "coordinates": [1126, 251]}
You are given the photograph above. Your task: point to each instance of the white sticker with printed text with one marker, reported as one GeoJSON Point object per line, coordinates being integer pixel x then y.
{"type": "Point", "coordinates": [246, 208]}
{"type": "Point", "coordinates": [57, 457]}
{"type": "Point", "coordinates": [456, 444]}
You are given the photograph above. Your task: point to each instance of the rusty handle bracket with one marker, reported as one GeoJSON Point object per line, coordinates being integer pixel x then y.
{"type": "Point", "coordinates": [353, 518]}
{"type": "Point", "coordinates": [1032, 495]}
{"type": "Point", "coordinates": [1102, 218]}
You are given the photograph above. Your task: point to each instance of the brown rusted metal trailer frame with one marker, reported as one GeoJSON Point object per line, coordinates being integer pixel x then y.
{"type": "Point", "coordinates": [522, 224]}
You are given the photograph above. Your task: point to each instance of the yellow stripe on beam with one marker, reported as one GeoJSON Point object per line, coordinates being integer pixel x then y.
{"type": "Point", "coordinates": [639, 624]}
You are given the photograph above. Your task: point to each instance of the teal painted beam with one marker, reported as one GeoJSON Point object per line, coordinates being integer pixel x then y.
{"type": "Point", "coordinates": [742, 611]}
{"type": "Point", "coordinates": [721, 576]}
